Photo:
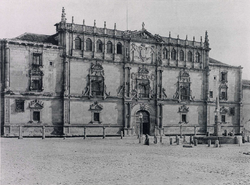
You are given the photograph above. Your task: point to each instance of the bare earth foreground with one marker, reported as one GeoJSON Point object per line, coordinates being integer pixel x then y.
{"type": "Point", "coordinates": [115, 161]}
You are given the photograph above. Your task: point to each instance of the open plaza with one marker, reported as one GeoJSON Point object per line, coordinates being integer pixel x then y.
{"type": "Point", "coordinates": [66, 161]}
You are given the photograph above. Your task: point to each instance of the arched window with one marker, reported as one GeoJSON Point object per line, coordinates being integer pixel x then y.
{"type": "Point", "coordinates": [78, 43]}
{"type": "Point", "coordinates": [173, 54]}
{"type": "Point", "coordinates": [181, 55]}
{"type": "Point", "coordinates": [190, 56]}
{"type": "Point", "coordinates": [119, 48]}
{"type": "Point", "coordinates": [197, 57]}
{"type": "Point", "coordinates": [165, 53]}
{"type": "Point", "coordinates": [109, 47]}
{"type": "Point", "coordinates": [99, 46]}
{"type": "Point", "coordinates": [88, 45]}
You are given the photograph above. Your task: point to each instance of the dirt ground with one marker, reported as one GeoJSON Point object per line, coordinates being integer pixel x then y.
{"type": "Point", "coordinates": [55, 161]}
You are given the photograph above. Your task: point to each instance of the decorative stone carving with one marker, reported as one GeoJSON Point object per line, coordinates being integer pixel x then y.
{"type": "Point", "coordinates": [223, 110]}
{"type": "Point", "coordinates": [96, 78]}
{"type": "Point", "coordinates": [164, 93]}
{"type": "Point", "coordinates": [183, 109]}
{"type": "Point", "coordinates": [141, 84]}
{"type": "Point", "coordinates": [36, 104]}
{"type": "Point", "coordinates": [142, 106]}
{"type": "Point", "coordinates": [96, 106]}
{"type": "Point", "coordinates": [142, 52]}
{"type": "Point", "coordinates": [121, 90]}
{"type": "Point", "coordinates": [183, 91]}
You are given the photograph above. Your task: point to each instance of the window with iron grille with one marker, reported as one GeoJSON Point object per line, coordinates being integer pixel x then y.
{"type": "Point", "coordinates": [97, 86]}
{"type": "Point", "coordinates": [96, 116]}
{"type": "Point", "coordinates": [36, 116]}
{"type": "Point", "coordinates": [19, 105]}
{"type": "Point", "coordinates": [36, 84]}
{"type": "Point", "coordinates": [223, 118]}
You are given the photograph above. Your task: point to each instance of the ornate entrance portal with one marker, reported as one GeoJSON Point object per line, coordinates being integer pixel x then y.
{"type": "Point", "coordinates": [145, 122]}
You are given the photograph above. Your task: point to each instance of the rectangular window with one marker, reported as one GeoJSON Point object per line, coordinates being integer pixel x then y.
{"type": "Point", "coordinates": [37, 59]}
{"type": "Point", "coordinates": [223, 76]}
{"type": "Point", "coordinates": [36, 116]}
{"type": "Point", "coordinates": [223, 96]}
{"type": "Point", "coordinates": [223, 118]}
{"type": "Point", "coordinates": [96, 116]}
{"type": "Point", "coordinates": [97, 86]}
{"type": "Point", "coordinates": [232, 111]}
{"type": "Point", "coordinates": [211, 94]}
{"type": "Point", "coordinates": [36, 84]}
{"type": "Point", "coordinates": [184, 118]}
{"type": "Point", "coordinates": [19, 105]}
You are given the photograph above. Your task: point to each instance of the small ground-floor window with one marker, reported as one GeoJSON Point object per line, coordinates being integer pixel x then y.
{"type": "Point", "coordinates": [184, 118]}
{"type": "Point", "coordinates": [223, 118]}
{"type": "Point", "coordinates": [36, 116]}
{"type": "Point", "coordinates": [96, 116]}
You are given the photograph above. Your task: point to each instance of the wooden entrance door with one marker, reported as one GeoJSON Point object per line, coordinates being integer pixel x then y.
{"type": "Point", "coordinates": [145, 122]}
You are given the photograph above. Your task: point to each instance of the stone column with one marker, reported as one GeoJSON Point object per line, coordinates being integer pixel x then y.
{"type": "Point", "coordinates": [7, 66]}
{"type": "Point", "coordinates": [127, 81]}
{"type": "Point", "coordinates": [159, 115]}
{"type": "Point", "coordinates": [66, 102]}
{"type": "Point", "coordinates": [159, 83]}
{"type": "Point", "coordinates": [127, 115]}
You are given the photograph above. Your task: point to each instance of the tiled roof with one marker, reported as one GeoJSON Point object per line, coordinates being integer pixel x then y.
{"type": "Point", "coordinates": [216, 62]}
{"type": "Point", "coordinates": [32, 37]}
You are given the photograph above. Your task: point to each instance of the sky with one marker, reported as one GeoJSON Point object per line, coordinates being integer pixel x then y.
{"type": "Point", "coordinates": [227, 21]}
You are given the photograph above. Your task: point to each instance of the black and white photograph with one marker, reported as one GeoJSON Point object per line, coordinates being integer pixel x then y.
{"type": "Point", "coordinates": [125, 92]}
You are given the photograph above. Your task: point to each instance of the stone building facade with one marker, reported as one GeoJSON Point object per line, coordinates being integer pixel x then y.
{"type": "Point", "coordinates": [90, 79]}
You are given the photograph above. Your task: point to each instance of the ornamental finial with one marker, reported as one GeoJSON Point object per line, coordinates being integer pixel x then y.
{"type": "Point", "coordinates": [143, 25]}
{"type": "Point", "coordinates": [63, 18]}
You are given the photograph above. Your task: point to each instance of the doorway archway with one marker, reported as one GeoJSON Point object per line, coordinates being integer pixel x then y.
{"type": "Point", "coordinates": [145, 122]}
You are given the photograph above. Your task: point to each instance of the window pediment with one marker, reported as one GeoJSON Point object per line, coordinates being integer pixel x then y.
{"type": "Point", "coordinates": [36, 104]}
{"type": "Point", "coordinates": [183, 109]}
{"type": "Point", "coordinates": [96, 106]}
{"type": "Point", "coordinates": [223, 110]}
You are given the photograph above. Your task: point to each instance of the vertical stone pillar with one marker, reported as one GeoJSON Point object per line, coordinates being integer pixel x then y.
{"type": "Point", "coordinates": [209, 142]}
{"type": "Point", "coordinates": [129, 115]}
{"type": "Point", "coordinates": [104, 135]}
{"type": "Point", "coordinates": [7, 67]}
{"type": "Point", "coordinates": [127, 81]}
{"type": "Point", "coordinates": [66, 101]}
{"type": "Point", "coordinates": [85, 133]}
{"type": "Point", "coordinates": [159, 115]}
{"type": "Point", "coordinates": [121, 134]}
{"type": "Point", "coordinates": [240, 112]}
{"type": "Point", "coordinates": [104, 48]}
{"type": "Point", "coordinates": [43, 132]}
{"type": "Point", "coordinates": [181, 131]}
{"type": "Point", "coordinates": [20, 132]}
{"type": "Point", "coordinates": [159, 83]}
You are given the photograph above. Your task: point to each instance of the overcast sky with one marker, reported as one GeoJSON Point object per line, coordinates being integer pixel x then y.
{"type": "Point", "coordinates": [227, 22]}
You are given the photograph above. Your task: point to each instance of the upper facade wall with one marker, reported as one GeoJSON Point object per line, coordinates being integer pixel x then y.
{"type": "Point", "coordinates": [230, 83]}
{"type": "Point", "coordinates": [28, 64]}
{"type": "Point", "coordinates": [131, 46]}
